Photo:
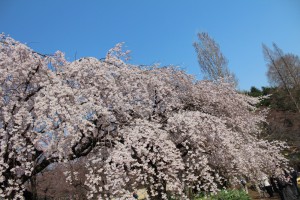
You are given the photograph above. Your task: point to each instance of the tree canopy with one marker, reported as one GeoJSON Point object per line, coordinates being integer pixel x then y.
{"type": "Point", "coordinates": [212, 62]}
{"type": "Point", "coordinates": [284, 73]}
{"type": "Point", "coordinates": [154, 127]}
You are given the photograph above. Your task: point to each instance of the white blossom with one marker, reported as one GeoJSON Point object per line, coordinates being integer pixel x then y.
{"type": "Point", "coordinates": [139, 127]}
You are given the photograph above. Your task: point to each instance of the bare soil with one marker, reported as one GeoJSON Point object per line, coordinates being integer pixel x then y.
{"type": "Point", "coordinates": [263, 196]}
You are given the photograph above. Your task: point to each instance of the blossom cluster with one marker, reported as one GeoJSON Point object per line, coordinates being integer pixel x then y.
{"type": "Point", "coordinates": [139, 127]}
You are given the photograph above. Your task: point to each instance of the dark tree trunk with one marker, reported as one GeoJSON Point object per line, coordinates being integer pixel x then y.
{"type": "Point", "coordinates": [33, 188]}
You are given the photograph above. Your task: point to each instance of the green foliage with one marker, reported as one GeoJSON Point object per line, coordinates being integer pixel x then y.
{"type": "Point", "coordinates": [255, 92]}
{"type": "Point", "coordinates": [278, 99]}
{"type": "Point", "coordinates": [227, 195]}
{"type": "Point", "coordinates": [267, 90]}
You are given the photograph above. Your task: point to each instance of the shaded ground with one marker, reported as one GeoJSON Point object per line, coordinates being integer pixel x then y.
{"type": "Point", "coordinates": [255, 195]}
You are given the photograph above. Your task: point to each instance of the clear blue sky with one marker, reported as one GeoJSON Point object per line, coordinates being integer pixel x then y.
{"type": "Point", "coordinates": [158, 31]}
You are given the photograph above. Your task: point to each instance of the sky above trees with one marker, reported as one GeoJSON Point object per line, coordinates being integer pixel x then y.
{"type": "Point", "coordinates": [158, 31]}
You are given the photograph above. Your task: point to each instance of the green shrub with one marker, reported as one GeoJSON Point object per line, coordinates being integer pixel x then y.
{"type": "Point", "coordinates": [227, 195]}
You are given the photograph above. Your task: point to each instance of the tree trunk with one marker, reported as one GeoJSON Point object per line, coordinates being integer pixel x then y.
{"type": "Point", "coordinates": [33, 187]}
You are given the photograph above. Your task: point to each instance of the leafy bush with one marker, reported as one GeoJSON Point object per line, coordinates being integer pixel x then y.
{"type": "Point", "coordinates": [227, 195]}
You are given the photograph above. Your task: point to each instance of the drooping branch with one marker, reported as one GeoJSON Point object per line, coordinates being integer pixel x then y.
{"type": "Point", "coordinates": [268, 56]}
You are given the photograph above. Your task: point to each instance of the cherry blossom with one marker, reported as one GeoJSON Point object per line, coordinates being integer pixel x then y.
{"type": "Point", "coordinates": [138, 126]}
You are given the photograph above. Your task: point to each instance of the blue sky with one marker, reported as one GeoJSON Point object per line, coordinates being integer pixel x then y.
{"type": "Point", "coordinates": [158, 31]}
